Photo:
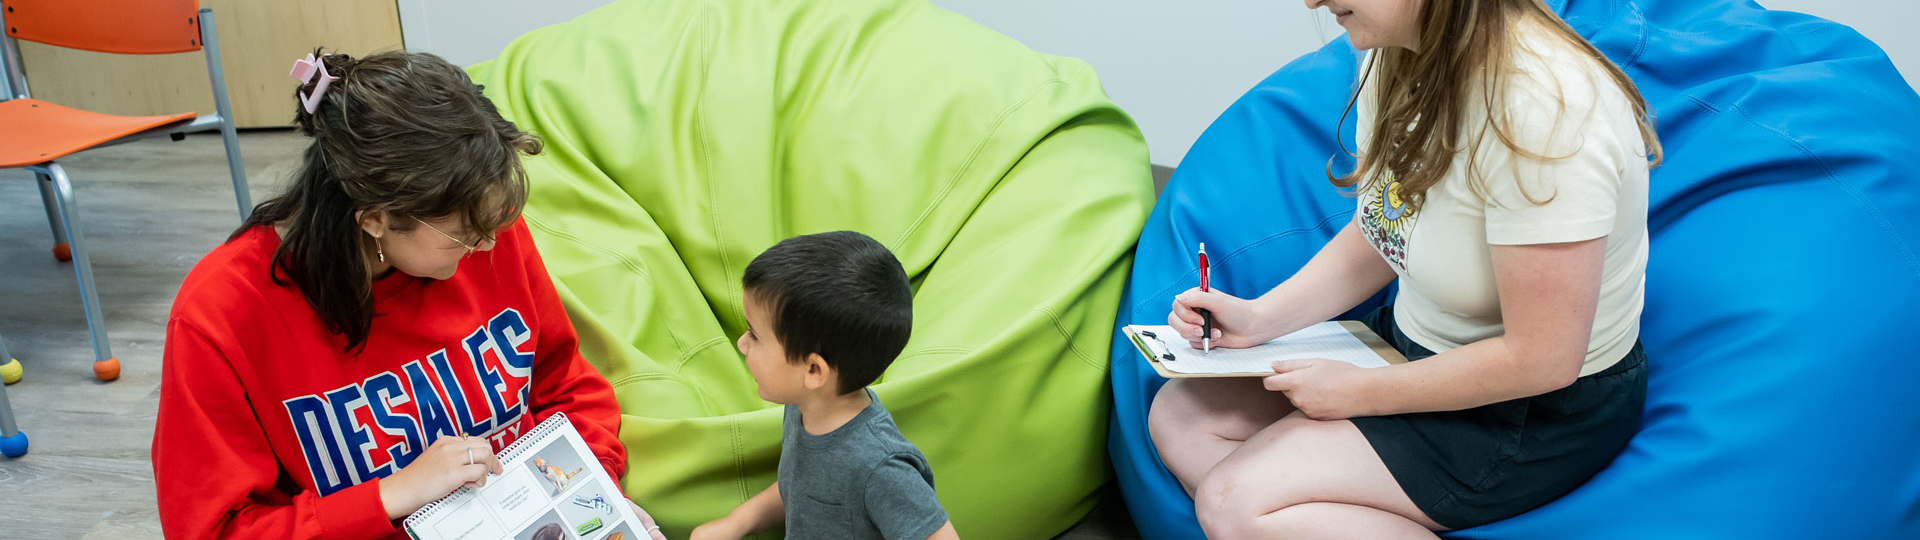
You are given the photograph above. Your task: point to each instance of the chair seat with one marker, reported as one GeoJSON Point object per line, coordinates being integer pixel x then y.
{"type": "Point", "coordinates": [34, 131]}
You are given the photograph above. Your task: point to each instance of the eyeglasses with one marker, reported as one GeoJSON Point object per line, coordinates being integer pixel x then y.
{"type": "Point", "coordinates": [471, 247]}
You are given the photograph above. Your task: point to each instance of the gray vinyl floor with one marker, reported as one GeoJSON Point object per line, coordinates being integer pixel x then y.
{"type": "Point", "coordinates": [150, 209]}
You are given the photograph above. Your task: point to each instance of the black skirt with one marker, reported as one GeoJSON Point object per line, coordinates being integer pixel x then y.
{"type": "Point", "coordinates": [1481, 465]}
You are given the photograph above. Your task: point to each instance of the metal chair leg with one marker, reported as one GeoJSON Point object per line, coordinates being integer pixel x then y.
{"type": "Point", "coordinates": [9, 367]}
{"type": "Point", "coordinates": [105, 366]}
{"type": "Point", "coordinates": [13, 443]}
{"type": "Point", "coordinates": [210, 41]}
{"type": "Point", "coordinates": [61, 251]}
{"type": "Point", "coordinates": [237, 170]}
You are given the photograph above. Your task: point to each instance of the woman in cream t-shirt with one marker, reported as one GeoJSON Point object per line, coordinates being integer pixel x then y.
{"type": "Point", "coordinates": [1502, 179]}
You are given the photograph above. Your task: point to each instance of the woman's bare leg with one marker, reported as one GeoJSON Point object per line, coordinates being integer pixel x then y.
{"type": "Point", "coordinates": [1320, 520]}
{"type": "Point", "coordinates": [1304, 478]}
{"type": "Point", "coordinates": [1197, 422]}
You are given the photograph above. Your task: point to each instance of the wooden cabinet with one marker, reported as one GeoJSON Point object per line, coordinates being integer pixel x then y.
{"type": "Point", "coordinates": [259, 40]}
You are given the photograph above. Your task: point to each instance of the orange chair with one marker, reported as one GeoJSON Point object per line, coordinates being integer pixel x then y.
{"type": "Point", "coordinates": [34, 133]}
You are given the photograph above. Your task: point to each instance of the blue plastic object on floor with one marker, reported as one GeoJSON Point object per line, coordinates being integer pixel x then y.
{"type": "Point", "coordinates": [1782, 277]}
{"type": "Point", "coordinates": [14, 446]}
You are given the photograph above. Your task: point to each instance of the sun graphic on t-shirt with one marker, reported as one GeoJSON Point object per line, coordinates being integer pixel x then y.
{"type": "Point", "coordinates": [1386, 220]}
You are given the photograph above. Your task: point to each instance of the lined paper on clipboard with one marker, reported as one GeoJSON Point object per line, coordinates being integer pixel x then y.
{"type": "Point", "coordinates": [1332, 340]}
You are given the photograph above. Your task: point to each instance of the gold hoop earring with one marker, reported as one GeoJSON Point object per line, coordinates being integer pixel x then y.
{"type": "Point", "coordinates": [378, 250]}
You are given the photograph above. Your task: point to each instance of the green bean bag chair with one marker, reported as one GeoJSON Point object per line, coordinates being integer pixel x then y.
{"type": "Point", "coordinates": [685, 137]}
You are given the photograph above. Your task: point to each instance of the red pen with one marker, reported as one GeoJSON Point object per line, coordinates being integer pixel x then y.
{"type": "Point", "coordinates": [1206, 317]}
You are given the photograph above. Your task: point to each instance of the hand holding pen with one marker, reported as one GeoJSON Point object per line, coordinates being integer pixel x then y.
{"type": "Point", "coordinates": [1208, 318]}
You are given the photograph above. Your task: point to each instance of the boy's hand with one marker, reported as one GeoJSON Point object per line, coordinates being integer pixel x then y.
{"type": "Point", "coordinates": [719, 529]}
{"type": "Point", "coordinates": [653, 527]}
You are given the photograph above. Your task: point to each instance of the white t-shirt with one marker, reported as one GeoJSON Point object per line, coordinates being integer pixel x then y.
{"type": "Point", "coordinates": [1447, 295]}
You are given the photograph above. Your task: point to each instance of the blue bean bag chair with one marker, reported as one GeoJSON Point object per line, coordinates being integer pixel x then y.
{"type": "Point", "coordinates": [1783, 270]}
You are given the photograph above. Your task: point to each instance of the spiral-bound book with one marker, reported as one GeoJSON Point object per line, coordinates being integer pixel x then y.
{"type": "Point", "coordinates": [552, 489]}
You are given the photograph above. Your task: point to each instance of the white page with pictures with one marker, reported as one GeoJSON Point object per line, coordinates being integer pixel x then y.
{"type": "Point", "coordinates": [1327, 340]}
{"type": "Point", "coordinates": [552, 488]}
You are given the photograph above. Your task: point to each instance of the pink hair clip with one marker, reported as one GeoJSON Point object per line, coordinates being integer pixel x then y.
{"type": "Point", "coordinates": [306, 69]}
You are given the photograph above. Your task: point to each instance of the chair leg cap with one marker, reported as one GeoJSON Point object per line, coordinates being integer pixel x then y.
{"type": "Point", "coordinates": [107, 370]}
{"type": "Point", "coordinates": [62, 252]}
{"type": "Point", "coordinates": [11, 371]}
{"type": "Point", "coordinates": [14, 446]}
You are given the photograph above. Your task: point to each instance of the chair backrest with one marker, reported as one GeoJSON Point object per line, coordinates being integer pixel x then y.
{"type": "Point", "coordinates": [111, 26]}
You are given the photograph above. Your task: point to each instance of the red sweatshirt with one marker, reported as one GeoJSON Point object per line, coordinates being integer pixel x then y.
{"type": "Point", "coordinates": [268, 430]}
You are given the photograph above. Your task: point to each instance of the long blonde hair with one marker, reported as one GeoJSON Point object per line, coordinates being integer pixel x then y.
{"type": "Point", "coordinates": [1461, 42]}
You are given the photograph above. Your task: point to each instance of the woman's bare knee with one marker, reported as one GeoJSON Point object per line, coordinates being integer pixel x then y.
{"type": "Point", "coordinates": [1219, 515]}
{"type": "Point", "coordinates": [1227, 507]}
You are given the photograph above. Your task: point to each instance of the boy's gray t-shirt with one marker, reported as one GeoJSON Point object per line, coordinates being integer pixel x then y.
{"type": "Point", "coordinates": [863, 480]}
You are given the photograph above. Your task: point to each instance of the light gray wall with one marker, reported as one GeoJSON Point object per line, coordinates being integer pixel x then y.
{"type": "Point", "coordinates": [1890, 23]}
{"type": "Point", "coordinates": [467, 32]}
{"type": "Point", "coordinates": [1173, 64]}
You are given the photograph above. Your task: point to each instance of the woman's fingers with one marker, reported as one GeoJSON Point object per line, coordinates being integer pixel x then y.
{"type": "Point", "coordinates": [473, 460]}
{"type": "Point", "coordinates": [474, 475]}
{"type": "Point", "coordinates": [1218, 336]}
{"type": "Point", "coordinates": [1193, 338]}
{"type": "Point", "coordinates": [493, 461]}
{"type": "Point", "coordinates": [1181, 326]}
{"type": "Point", "coordinates": [1184, 311]}
{"type": "Point", "coordinates": [1227, 311]}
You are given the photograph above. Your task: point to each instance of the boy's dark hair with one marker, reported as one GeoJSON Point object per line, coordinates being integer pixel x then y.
{"type": "Point", "coordinates": [841, 295]}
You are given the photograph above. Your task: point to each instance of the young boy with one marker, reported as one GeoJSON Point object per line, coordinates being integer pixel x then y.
{"type": "Point", "coordinates": [826, 314]}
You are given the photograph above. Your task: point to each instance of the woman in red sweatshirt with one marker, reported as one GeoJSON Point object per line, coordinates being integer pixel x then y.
{"type": "Point", "coordinates": [367, 341]}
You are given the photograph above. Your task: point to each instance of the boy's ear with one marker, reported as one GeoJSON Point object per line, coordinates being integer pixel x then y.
{"type": "Point", "coordinates": [819, 374]}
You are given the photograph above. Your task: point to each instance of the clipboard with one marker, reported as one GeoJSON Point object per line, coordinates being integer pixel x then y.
{"type": "Point", "coordinates": [1373, 342]}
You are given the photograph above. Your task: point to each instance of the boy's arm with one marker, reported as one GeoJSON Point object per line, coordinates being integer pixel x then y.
{"type": "Point", "coordinates": [759, 513]}
{"type": "Point", "coordinates": [901, 503]}
{"type": "Point", "coordinates": [945, 533]}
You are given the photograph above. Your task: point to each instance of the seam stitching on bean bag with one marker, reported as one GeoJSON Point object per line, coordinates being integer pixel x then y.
{"type": "Point", "coordinates": [967, 165]}
{"type": "Point", "coordinates": [1879, 217]}
{"type": "Point", "coordinates": [1054, 318]}
{"type": "Point", "coordinates": [625, 261]}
